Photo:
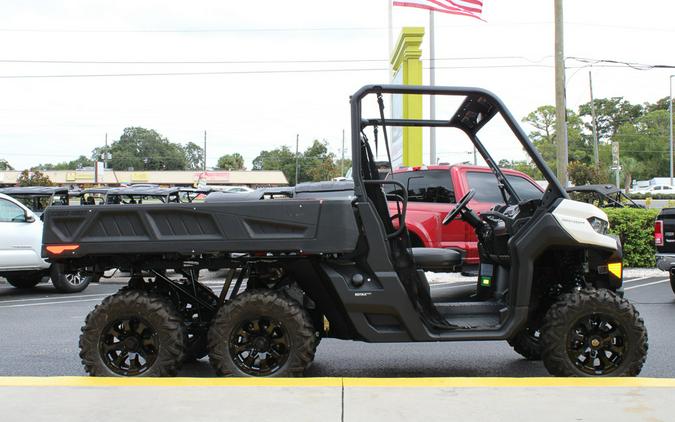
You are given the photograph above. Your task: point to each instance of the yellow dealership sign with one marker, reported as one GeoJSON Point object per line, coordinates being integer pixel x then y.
{"type": "Point", "coordinates": [406, 143]}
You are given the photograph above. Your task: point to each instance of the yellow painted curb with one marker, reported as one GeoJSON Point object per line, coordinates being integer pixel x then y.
{"type": "Point", "coordinates": [166, 382]}
{"type": "Point", "coordinates": [337, 382]}
{"type": "Point", "coordinates": [488, 382]}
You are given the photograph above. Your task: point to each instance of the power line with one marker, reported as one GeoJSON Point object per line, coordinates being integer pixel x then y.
{"type": "Point", "coordinates": [633, 65]}
{"type": "Point", "coordinates": [277, 71]}
{"type": "Point", "coordinates": [181, 62]}
{"type": "Point", "coordinates": [235, 30]}
{"type": "Point", "coordinates": [315, 29]}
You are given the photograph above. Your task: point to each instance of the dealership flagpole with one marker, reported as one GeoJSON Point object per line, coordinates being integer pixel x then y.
{"type": "Point", "coordinates": [432, 82]}
{"type": "Point", "coordinates": [390, 30]}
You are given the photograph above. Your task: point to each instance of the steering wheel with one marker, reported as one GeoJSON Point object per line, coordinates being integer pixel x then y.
{"type": "Point", "coordinates": [459, 207]}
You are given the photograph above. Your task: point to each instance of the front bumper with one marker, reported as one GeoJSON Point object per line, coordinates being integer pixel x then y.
{"type": "Point", "coordinates": [665, 261]}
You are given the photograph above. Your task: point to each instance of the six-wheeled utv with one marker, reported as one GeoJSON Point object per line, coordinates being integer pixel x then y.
{"type": "Point", "coordinates": [331, 261]}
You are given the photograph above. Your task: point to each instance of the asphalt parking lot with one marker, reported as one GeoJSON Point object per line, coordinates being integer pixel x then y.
{"type": "Point", "coordinates": [39, 332]}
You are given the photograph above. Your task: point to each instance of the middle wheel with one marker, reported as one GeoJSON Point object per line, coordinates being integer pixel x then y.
{"type": "Point", "coordinates": [261, 333]}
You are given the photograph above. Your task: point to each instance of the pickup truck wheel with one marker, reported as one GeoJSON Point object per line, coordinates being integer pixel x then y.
{"type": "Point", "coordinates": [527, 343]}
{"type": "Point", "coordinates": [593, 333]}
{"type": "Point", "coordinates": [133, 333]}
{"type": "Point", "coordinates": [261, 333]}
{"type": "Point", "coordinates": [69, 282]}
{"type": "Point", "coordinates": [24, 281]}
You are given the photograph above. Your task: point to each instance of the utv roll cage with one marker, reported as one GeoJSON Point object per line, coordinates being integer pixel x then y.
{"type": "Point", "coordinates": [136, 194]}
{"type": "Point", "coordinates": [477, 109]}
{"type": "Point", "coordinates": [602, 196]}
{"type": "Point", "coordinates": [91, 196]}
{"type": "Point", "coordinates": [33, 197]}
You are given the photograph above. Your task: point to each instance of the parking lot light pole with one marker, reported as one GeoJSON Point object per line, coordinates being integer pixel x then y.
{"type": "Point", "coordinates": [670, 110]}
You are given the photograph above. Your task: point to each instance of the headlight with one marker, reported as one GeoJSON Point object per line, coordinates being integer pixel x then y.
{"type": "Point", "coordinates": [599, 225]}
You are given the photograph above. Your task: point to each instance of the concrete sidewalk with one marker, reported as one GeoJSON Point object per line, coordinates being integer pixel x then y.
{"type": "Point", "coordinates": [336, 399]}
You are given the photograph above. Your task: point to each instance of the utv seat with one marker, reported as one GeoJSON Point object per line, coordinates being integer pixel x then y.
{"type": "Point", "coordinates": [437, 259]}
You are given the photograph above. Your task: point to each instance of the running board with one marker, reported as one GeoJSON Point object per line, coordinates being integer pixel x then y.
{"type": "Point", "coordinates": [473, 314]}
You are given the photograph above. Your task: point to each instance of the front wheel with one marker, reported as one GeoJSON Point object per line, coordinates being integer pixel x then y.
{"type": "Point", "coordinates": [672, 280]}
{"type": "Point", "coordinates": [261, 333]}
{"type": "Point", "coordinates": [593, 332]}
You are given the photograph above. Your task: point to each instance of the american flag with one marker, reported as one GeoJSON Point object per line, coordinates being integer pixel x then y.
{"type": "Point", "coordinates": [471, 8]}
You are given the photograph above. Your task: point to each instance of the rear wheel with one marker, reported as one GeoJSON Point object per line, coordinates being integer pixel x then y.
{"type": "Point", "coordinates": [73, 282]}
{"type": "Point", "coordinates": [133, 333]}
{"type": "Point", "coordinates": [672, 280]}
{"type": "Point", "coordinates": [24, 280]}
{"type": "Point", "coordinates": [261, 333]}
{"type": "Point", "coordinates": [593, 333]}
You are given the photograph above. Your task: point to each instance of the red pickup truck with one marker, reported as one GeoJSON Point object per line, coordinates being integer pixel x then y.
{"type": "Point", "coordinates": [432, 193]}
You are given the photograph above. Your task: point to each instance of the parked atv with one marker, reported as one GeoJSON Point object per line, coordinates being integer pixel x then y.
{"type": "Point", "coordinates": [332, 263]}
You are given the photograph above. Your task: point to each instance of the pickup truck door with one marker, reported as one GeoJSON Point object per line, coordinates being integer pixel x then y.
{"type": "Point", "coordinates": [20, 241]}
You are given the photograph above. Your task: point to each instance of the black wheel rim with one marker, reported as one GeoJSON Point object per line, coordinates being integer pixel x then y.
{"type": "Point", "coordinates": [129, 346]}
{"type": "Point", "coordinates": [597, 344]}
{"type": "Point", "coordinates": [260, 346]}
{"type": "Point", "coordinates": [75, 279]}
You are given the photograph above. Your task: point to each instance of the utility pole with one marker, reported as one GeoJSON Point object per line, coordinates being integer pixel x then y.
{"type": "Point", "coordinates": [297, 157]}
{"type": "Point", "coordinates": [105, 154]}
{"type": "Point", "coordinates": [432, 82]}
{"type": "Point", "coordinates": [670, 109]}
{"type": "Point", "coordinates": [596, 159]}
{"type": "Point", "coordinates": [342, 162]}
{"type": "Point", "coordinates": [204, 150]}
{"type": "Point", "coordinates": [560, 106]}
{"type": "Point", "coordinates": [616, 162]}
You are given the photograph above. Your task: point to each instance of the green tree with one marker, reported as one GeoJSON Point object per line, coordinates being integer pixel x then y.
{"type": "Point", "coordinates": [194, 156]}
{"type": "Point", "coordinates": [277, 159]}
{"type": "Point", "coordinates": [231, 162]}
{"type": "Point", "coordinates": [661, 104]}
{"type": "Point", "coordinates": [315, 164]}
{"type": "Point", "coordinates": [611, 114]}
{"type": "Point", "coordinates": [544, 138]}
{"type": "Point", "coordinates": [583, 174]}
{"type": "Point", "coordinates": [521, 166]}
{"type": "Point", "coordinates": [4, 165]}
{"type": "Point", "coordinates": [318, 164]}
{"type": "Point", "coordinates": [646, 141]}
{"type": "Point", "coordinates": [78, 163]}
{"type": "Point", "coordinates": [33, 178]}
{"type": "Point", "coordinates": [629, 167]}
{"type": "Point", "coordinates": [345, 166]}
{"type": "Point", "coordinates": [145, 149]}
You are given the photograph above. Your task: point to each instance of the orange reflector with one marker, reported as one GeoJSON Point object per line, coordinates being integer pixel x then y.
{"type": "Point", "coordinates": [615, 269]}
{"type": "Point", "coordinates": [59, 249]}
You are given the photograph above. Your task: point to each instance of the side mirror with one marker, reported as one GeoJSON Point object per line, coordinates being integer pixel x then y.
{"type": "Point", "coordinates": [28, 218]}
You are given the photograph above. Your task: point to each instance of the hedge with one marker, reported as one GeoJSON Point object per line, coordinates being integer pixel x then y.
{"type": "Point", "coordinates": [635, 227]}
{"type": "Point", "coordinates": [634, 195]}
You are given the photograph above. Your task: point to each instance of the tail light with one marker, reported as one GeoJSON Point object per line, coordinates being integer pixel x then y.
{"type": "Point", "coordinates": [658, 233]}
{"type": "Point", "coordinates": [59, 249]}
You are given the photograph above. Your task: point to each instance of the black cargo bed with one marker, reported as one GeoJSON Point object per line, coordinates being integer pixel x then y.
{"type": "Point", "coordinates": [307, 226]}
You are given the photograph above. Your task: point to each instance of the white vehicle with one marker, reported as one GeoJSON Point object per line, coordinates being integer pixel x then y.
{"type": "Point", "coordinates": [21, 262]}
{"type": "Point", "coordinates": [663, 189]}
{"type": "Point", "coordinates": [232, 189]}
